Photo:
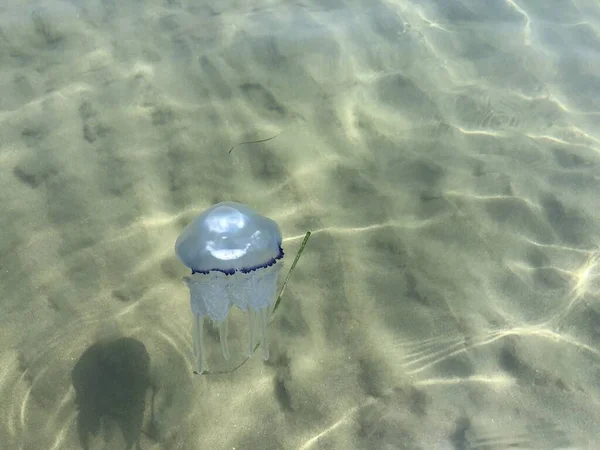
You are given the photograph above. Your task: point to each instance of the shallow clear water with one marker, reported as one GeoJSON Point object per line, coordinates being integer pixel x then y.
{"type": "Point", "coordinates": [445, 155]}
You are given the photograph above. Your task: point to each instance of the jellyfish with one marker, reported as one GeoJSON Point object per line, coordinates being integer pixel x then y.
{"type": "Point", "coordinates": [235, 256]}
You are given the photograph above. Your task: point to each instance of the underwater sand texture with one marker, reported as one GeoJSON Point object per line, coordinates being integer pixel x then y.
{"type": "Point", "coordinates": [446, 156]}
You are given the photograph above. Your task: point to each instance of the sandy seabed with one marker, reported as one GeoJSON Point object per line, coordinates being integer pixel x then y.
{"type": "Point", "coordinates": [445, 155]}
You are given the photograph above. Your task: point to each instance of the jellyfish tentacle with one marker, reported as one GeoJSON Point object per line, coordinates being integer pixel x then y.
{"type": "Point", "coordinates": [223, 332]}
{"type": "Point", "coordinates": [197, 336]}
{"type": "Point", "coordinates": [250, 314]}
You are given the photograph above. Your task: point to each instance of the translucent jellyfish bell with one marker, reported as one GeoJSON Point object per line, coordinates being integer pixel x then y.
{"type": "Point", "coordinates": [235, 256]}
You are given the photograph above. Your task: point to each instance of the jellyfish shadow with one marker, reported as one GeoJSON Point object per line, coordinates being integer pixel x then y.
{"type": "Point", "coordinates": [111, 380]}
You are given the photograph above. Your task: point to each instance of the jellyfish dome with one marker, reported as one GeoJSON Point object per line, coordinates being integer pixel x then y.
{"type": "Point", "coordinates": [235, 256]}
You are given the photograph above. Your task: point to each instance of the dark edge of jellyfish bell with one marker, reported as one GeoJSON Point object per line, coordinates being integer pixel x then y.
{"type": "Point", "coordinates": [269, 263]}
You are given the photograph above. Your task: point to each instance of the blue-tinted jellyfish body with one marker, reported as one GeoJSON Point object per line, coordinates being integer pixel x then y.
{"type": "Point", "coordinates": [235, 256]}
